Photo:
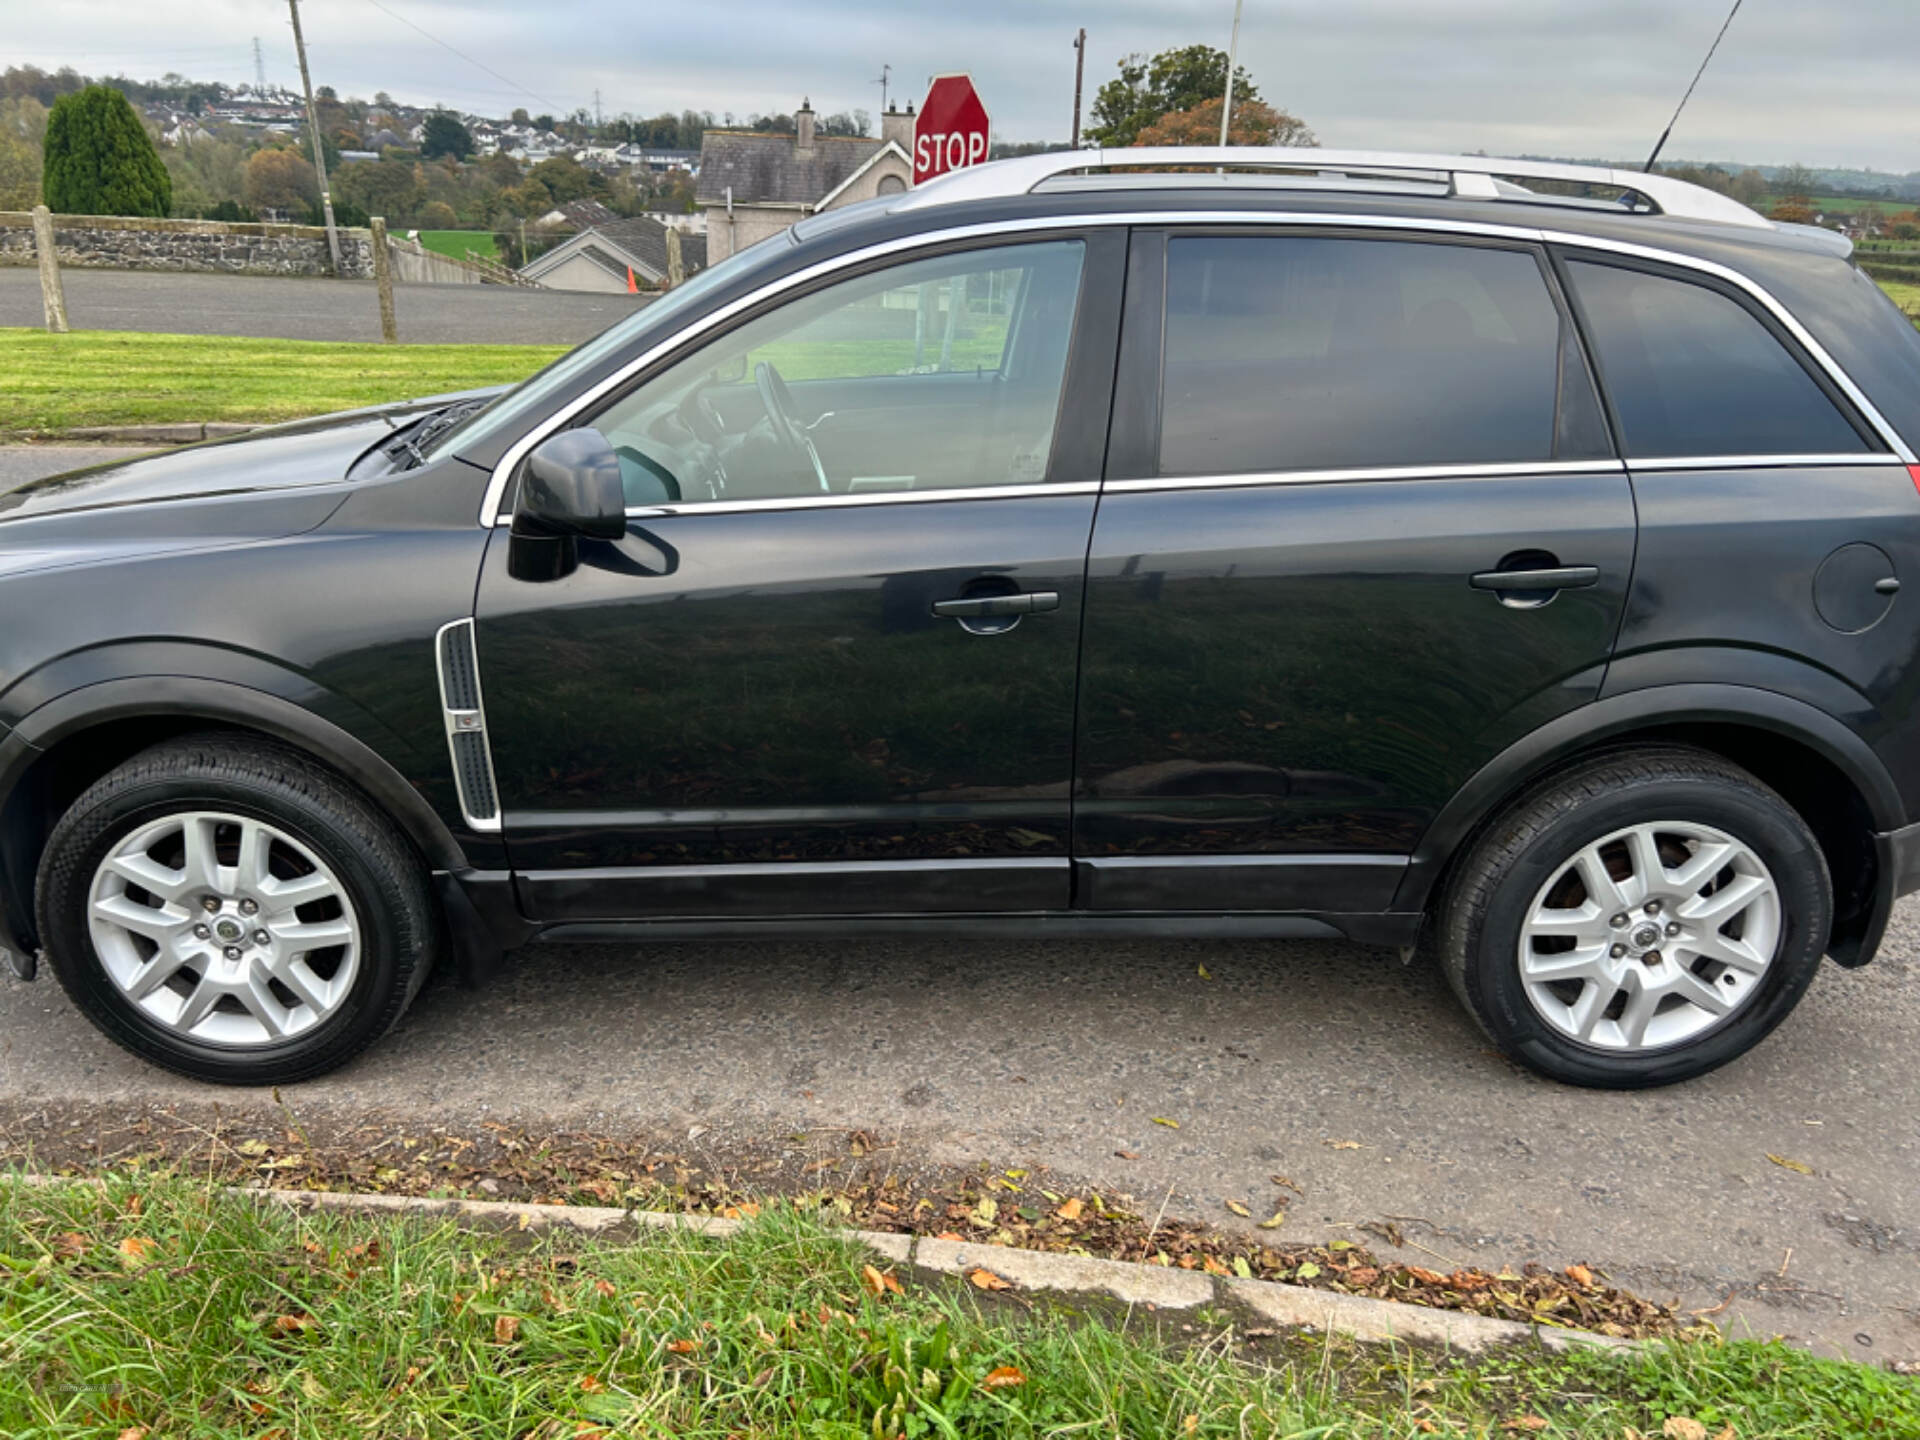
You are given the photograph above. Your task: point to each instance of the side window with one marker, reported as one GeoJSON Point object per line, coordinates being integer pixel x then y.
{"type": "Point", "coordinates": [936, 374]}
{"type": "Point", "coordinates": [1691, 372]}
{"type": "Point", "coordinates": [1305, 353]}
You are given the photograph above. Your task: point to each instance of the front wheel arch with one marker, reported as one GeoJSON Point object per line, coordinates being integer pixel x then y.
{"type": "Point", "coordinates": [64, 746]}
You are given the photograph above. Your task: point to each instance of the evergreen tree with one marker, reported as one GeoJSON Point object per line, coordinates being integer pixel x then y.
{"type": "Point", "coordinates": [100, 160]}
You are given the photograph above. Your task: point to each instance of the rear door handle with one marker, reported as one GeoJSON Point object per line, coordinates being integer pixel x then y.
{"type": "Point", "coordinates": [1559, 577]}
{"type": "Point", "coordinates": [979, 607]}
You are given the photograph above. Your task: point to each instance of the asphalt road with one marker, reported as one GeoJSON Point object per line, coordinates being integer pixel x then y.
{"type": "Point", "coordinates": [21, 463]}
{"type": "Point", "coordinates": [1063, 1054]}
{"type": "Point", "coordinates": [305, 309]}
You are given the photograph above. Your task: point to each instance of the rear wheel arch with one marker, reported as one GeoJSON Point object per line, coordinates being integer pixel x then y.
{"type": "Point", "coordinates": [80, 737]}
{"type": "Point", "coordinates": [1819, 767]}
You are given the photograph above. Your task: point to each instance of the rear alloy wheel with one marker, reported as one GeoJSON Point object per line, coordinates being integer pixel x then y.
{"type": "Point", "coordinates": [1643, 918]}
{"type": "Point", "coordinates": [229, 909]}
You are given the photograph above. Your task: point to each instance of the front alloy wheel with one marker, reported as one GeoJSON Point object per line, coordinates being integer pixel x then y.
{"type": "Point", "coordinates": [1641, 918]}
{"type": "Point", "coordinates": [228, 908]}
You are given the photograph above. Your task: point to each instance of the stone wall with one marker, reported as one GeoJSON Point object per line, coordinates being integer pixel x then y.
{"type": "Point", "coordinates": [115, 242]}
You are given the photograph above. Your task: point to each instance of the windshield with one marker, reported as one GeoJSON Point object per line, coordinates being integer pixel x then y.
{"type": "Point", "coordinates": [508, 411]}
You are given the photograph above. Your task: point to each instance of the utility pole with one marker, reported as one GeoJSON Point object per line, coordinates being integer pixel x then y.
{"type": "Point", "coordinates": [319, 151]}
{"type": "Point", "coordinates": [1233, 53]}
{"type": "Point", "coordinates": [1079, 74]}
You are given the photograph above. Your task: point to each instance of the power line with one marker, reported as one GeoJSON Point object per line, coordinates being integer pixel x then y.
{"type": "Point", "coordinates": [478, 64]}
{"type": "Point", "coordinates": [1648, 168]}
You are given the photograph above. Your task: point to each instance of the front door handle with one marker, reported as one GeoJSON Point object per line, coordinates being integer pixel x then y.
{"type": "Point", "coordinates": [1558, 577]}
{"type": "Point", "coordinates": [981, 607]}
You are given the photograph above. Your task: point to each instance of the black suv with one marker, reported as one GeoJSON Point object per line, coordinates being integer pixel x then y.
{"type": "Point", "coordinates": [1390, 549]}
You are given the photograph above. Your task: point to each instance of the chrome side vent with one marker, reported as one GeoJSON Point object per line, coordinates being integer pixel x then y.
{"type": "Point", "coordinates": [466, 723]}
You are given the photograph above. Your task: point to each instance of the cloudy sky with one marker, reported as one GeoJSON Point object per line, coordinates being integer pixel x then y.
{"type": "Point", "coordinates": [1822, 82]}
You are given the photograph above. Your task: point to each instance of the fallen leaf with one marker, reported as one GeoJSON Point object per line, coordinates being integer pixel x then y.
{"type": "Point", "coordinates": [592, 1384]}
{"type": "Point", "coordinates": [987, 1211]}
{"type": "Point", "coordinates": [1274, 1221]}
{"type": "Point", "coordinates": [605, 1288]}
{"type": "Point", "coordinates": [1203, 973]}
{"type": "Point", "coordinates": [1685, 1427]}
{"type": "Point", "coordinates": [135, 1250]}
{"type": "Point", "coordinates": [1070, 1208]}
{"type": "Point", "coordinates": [134, 1432]}
{"type": "Point", "coordinates": [1237, 1208]}
{"type": "Point", "coordinates": [1307, 1271]}
{"type": "Point", "coordinates": [252, 1147]}
{"type": "Point", "coordinates": [1425, 1276]}
{"type": "Point", "coordinates": [682, 1347]}
{"type": "Point", "coordinates": [506, 1328]}
{"type": "Point", "coordinates": [1170, 1124]}
{"type": "Point", "coordinates": [1287, 1184]}
{"type": "Point", "coordinates": [1343, 1144]}
{"type": "Point", "coordinates": [1580, 1275]}
{"type": "Point", "coordinates": [1727, 1434]}
{"type": "Point", "coordinates": [1525, 1422]}
{"type": "Point", "coordinates": [71, 1244]}
{"type": "Point", "coordinates": [878, 1283]}
{"type": "Point", "coordinates": [291, 1324]}
{"type": "Point", "coordinates": [949, 1235]}
{"type": "Point", "coordinates": [1002, 1377]}
{"type": "Point", "coordinates": [1786, 1164]}
{"type": "Point", "coordinates": [1126, 1154]}
{"type": "Point", "coordinates": [983, 1279]}
{"type": "Point", "coordinates": [1191, 1424]}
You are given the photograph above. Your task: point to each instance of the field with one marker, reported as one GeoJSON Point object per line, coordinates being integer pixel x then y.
{"type": "Point", "coordinates": [50, 383]}
{"type": "Point", "coordinates": [458, 242]}
{"type": "Point", "coordinates": [1907, 297]}
{"type": "Point", "coordinates": [157, 1307]}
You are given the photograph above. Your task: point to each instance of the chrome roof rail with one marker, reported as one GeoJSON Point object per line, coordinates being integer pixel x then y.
{"type": "Point", "coordinates": [1469, 177]}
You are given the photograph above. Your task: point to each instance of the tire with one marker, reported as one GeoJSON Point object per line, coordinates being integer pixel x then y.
{"type": "Point", "coordinates": [1532, 864]}
{"type": "Point", "coordinates": [315, 983]}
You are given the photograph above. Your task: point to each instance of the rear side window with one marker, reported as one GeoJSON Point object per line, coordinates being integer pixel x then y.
{"type": "Point", "coordinates": [1307, 353]}
{"type": "Point", "coordinates": [1692, 372]}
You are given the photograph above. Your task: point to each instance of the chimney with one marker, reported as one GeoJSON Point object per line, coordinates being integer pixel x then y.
{"type": "Point", "coordinates": [803, 127]}
{"type": "Point", "coordinates": [898, 126]}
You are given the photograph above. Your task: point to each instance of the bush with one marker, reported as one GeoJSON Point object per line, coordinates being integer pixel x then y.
{"type": "Point", "coordinates": [438, 215]}
{"type": "Point", "coordinates": [230, 210]}
{"type": "Point", "coordinates": [100, 160]}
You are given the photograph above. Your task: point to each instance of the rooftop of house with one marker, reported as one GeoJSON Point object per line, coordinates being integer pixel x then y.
{"type": "Point", "coordinates": [770, 168]}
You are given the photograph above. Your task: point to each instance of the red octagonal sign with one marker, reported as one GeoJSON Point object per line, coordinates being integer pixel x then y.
{"type": "Point", "coordinates": [951, 130]}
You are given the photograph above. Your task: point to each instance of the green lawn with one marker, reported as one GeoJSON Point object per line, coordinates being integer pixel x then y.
{"type": "Point", "coordinates": [458, 242]}
{"type": "Point", "coordinates": [1907, 297]}
{"type": "Point", "coordinates": [161, 1308]}
{"type": "Point", "coordinates": [98, 377]}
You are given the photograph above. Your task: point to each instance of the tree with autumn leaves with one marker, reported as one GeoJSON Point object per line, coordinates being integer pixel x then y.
{"type": "Point", "coordinates": [1174, 98]}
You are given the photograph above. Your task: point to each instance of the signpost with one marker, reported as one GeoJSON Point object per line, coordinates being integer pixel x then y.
{"type": "Point", "coordinates": [950, 133]}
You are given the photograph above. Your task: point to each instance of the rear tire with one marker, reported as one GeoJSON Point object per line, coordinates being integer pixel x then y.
{"type": "Point", "coordinates": [1642, 918]}
{"type": "Point", "coordinates": [231, 910]}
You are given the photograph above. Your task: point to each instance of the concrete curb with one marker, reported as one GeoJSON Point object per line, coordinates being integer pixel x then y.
{"type": "Point", "coordinates": [1157, 1287]}
{"type": "Point", "coordinates": [182, 434]}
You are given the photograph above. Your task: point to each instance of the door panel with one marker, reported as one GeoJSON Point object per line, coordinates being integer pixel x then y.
{"type": "Point", "coordinates": [1307, 668]}
{"type": "Point", "coordinates": [771, 685]}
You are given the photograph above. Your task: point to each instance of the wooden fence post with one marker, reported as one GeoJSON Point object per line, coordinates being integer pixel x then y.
{"type": "Point", "coordinates": [52, 297]}
{"type": "Point", "coordinates": [383, 279]}
{"type": "Point", "coordinates": [676, 267]}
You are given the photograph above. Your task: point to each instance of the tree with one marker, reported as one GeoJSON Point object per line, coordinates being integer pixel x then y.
{"type": "Point", "coordinates": [280, 180]}
{"type": "Point", "coordinates": [23, 130]}
{"type": "Point", "coordinates": [1254, 122]}
{"type": "Point", "coordinates": [1750, 187]}
{"type": "Point", "coordinates": [520, 117]}
{"type": "Point", "coordinates": [445, 135]}
{"type": "Point", "coordinates": [1796, 180]}
{"type": "Point", "coordinates": [438, 215]}
{"type": "Point", "coordinates": [1793, 210]}
{"type": "Point", "coordinates": [1172, 80]}
{"type": "Point", "coordinates": [99, 159]}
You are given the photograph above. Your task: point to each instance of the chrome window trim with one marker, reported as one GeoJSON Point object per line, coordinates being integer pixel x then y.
{"type": "Point", "coordinates": [1359, 476]}
{"type": "Point", "coordinates": [838, 502]}
{"type": "Point", "coordinates": [1524, 234]}
{"type": "Point", "coordinates": [1761, 462]}
{"type": "Point", "coordinates": [449, 717]}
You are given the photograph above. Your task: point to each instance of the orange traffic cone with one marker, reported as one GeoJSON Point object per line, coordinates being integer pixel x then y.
{"type": "Point", "coordinates": [633, 286]}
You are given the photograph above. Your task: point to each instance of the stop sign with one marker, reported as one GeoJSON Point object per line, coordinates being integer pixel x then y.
{"type": "Point", "coordinates": [951, 130]}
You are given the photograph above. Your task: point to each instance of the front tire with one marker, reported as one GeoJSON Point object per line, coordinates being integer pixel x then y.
{"type": "Point", "coordinates": [1642, 918]}
{"type": "Point", "coordinates": [227, 908]}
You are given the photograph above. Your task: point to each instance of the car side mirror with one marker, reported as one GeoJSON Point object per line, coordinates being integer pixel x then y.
{"type": "Point", "coordinates": [572, 486]}
{"type": "Point", "coordinates": [570, 491]}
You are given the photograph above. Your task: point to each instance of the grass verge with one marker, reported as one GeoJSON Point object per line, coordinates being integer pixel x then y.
{"type": "Point", "coordinates": [50, 383]}
{"type": "Point", "coordinates": [458, 242]}
{"type": "Point", "coordinates": [1907, 297]}
{"type": "Point", "coordinates": [167, 1308]}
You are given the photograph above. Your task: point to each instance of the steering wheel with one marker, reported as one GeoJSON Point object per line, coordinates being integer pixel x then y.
{"type": "Point", "coordinates": [777, 400]}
